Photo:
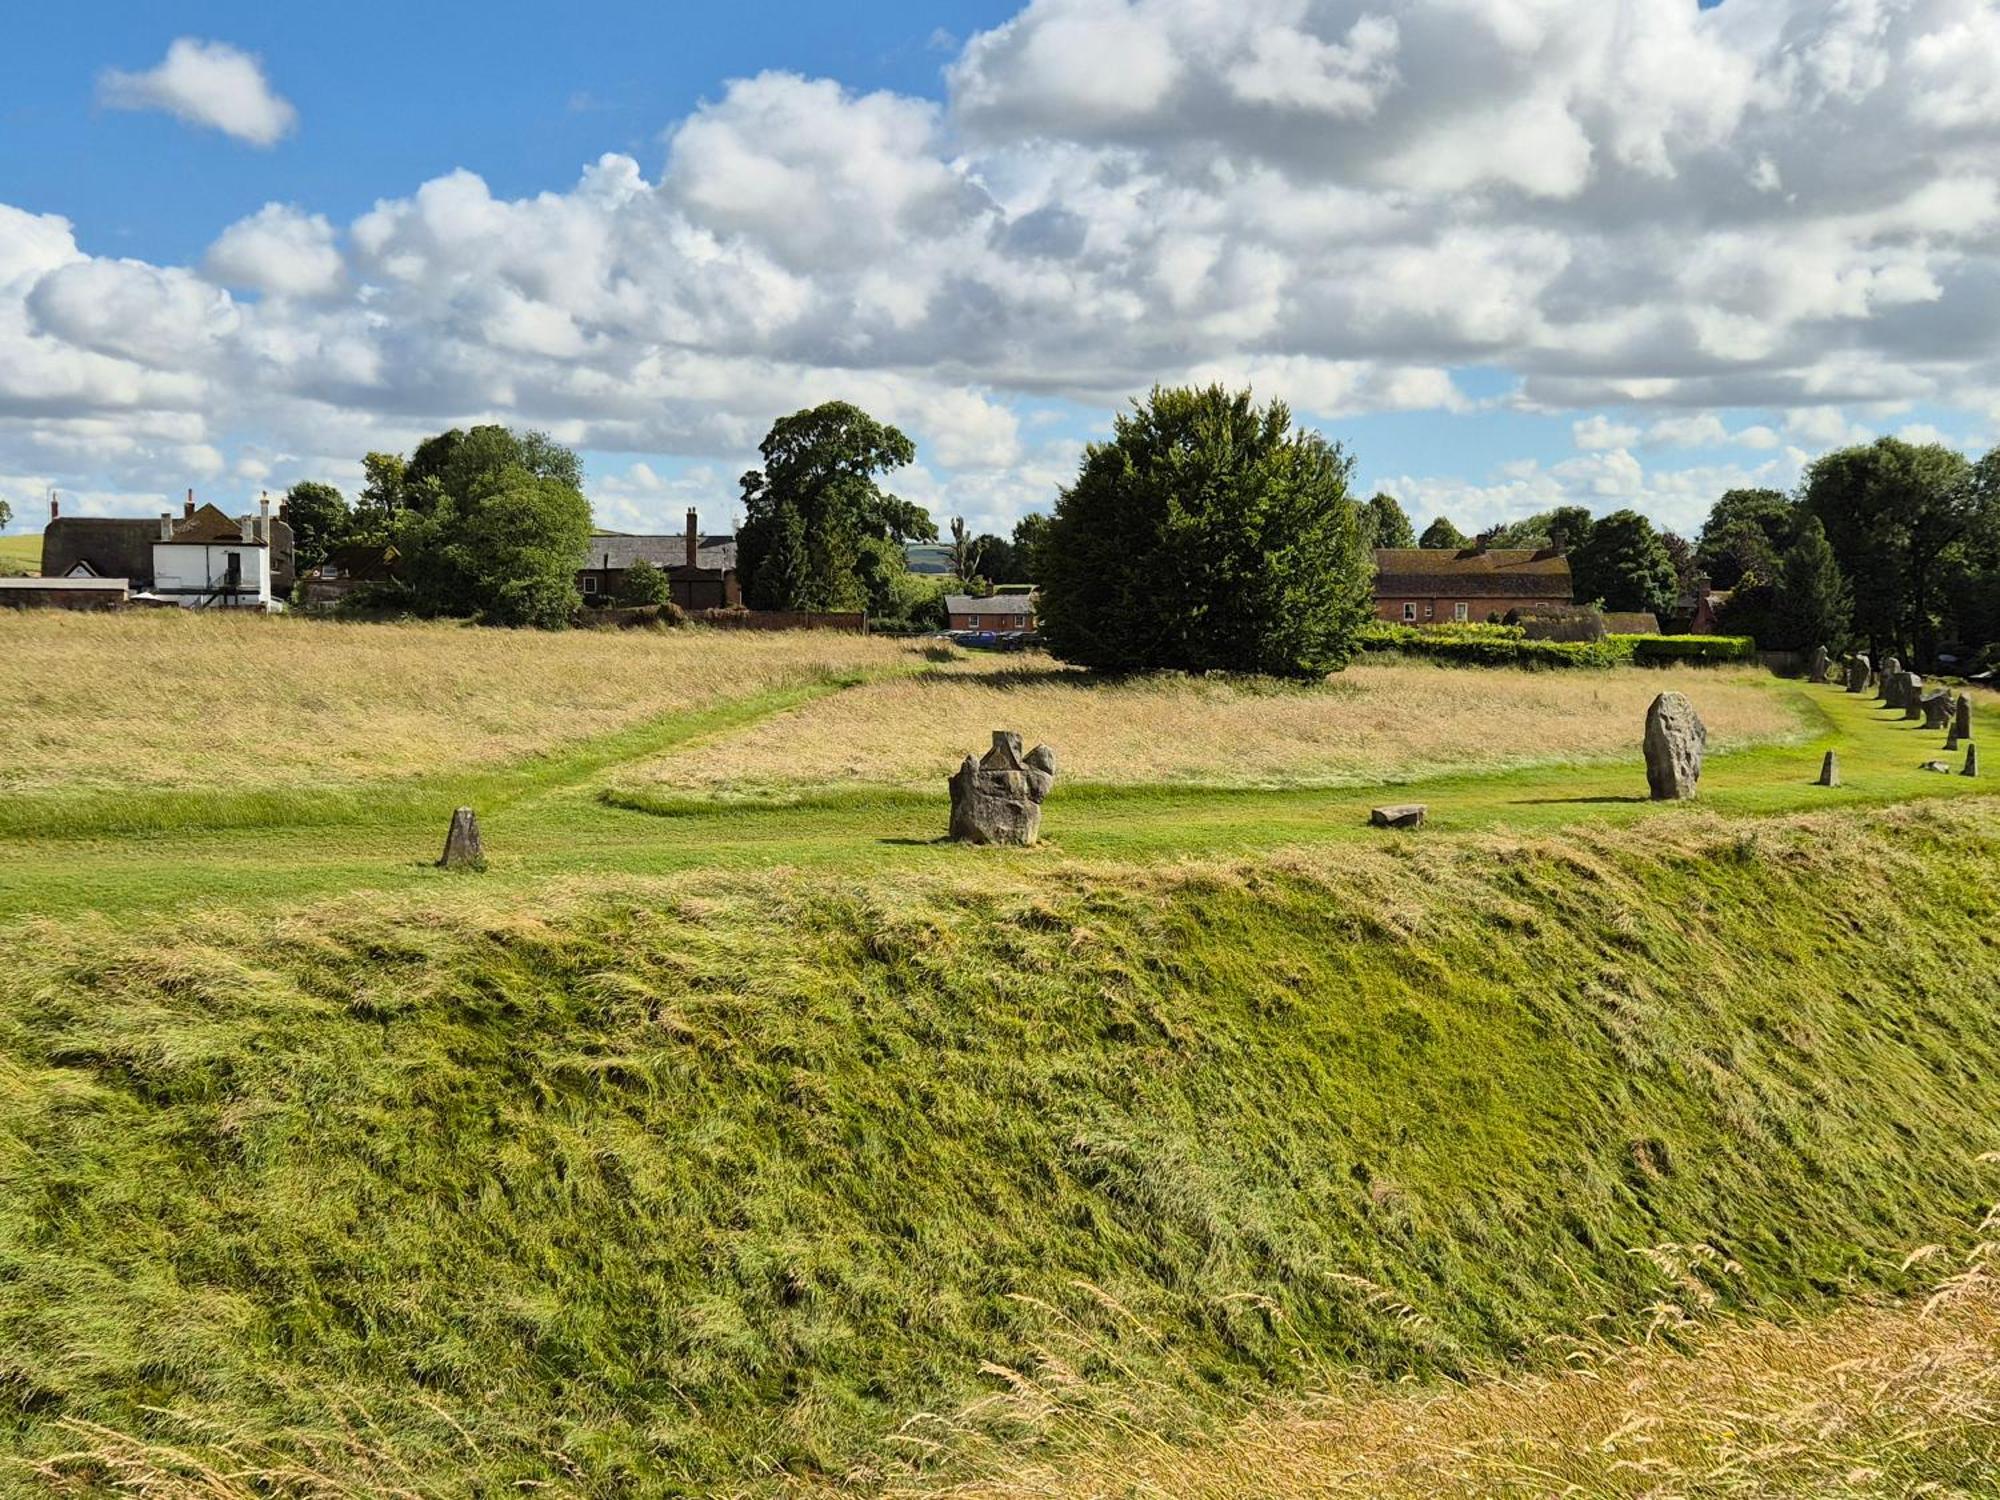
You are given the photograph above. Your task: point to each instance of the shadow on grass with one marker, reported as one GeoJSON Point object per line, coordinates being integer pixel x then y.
{"type": "Point", "coordinates": [910, 843]}
{"type": "Point", "coordinates": [1567, 801]}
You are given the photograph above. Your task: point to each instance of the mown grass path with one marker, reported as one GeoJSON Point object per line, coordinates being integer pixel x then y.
{"type": "Point", "coordinates": [555, 815]}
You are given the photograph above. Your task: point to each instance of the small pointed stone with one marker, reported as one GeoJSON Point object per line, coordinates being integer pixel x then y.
{"type": "Point", "coordinates": [462, 849]}
{"type": "Point", "coordinates": [1829, 770]}
{"type": "Point", "coordinates": [1971, 761]}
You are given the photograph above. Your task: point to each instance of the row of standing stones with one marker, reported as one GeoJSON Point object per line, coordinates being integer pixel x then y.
{"type": "Point", "coordinates": [997, 798]}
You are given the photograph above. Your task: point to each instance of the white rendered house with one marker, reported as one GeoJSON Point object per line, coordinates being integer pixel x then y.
{"type": "Point", "coordinates": [209, 561]}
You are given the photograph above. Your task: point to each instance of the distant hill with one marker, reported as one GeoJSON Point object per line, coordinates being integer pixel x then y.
{"type": "Point", "coordinates": [928, 557]}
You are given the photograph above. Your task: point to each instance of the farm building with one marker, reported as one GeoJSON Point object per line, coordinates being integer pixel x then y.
{"type": "Point", "coordinates": [1435, 585]}
{"type": "Point", "coordinates": [63, 593]}
{"type": "Point", "coordinates": [131, 548]}
{"type": "Point", "coordinates": [346, 568]}
{"type": "Point", "coordinates": [996, 612]}
{"type": "Point", "coordinates": [700, 569]}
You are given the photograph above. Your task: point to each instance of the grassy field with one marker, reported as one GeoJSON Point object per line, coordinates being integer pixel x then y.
{"type": "Point", "coordinates": [1375, 722]}
{"type": "Point", "coordinates": [700, 1147]}
{"type": "Point", "coordinates": [20, 556]}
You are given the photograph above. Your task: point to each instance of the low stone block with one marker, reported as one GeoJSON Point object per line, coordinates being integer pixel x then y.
{"type": "Point", "coordinates": [1829, 770]}
{"type": "Point", "coordinates": [1398, 815]}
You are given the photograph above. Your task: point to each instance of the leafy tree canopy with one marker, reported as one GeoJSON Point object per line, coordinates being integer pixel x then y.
{"type": "Point", "coordinates": [1207, 535]}
{"type": "Point", "coordinates": [1441, 535]}
{"type": "Point", "coordinates": [644, 584]}
{"type": "Point", "coordinates": [1387, 523]}
{"type": "Point", "coordinates": [1623, 565]}
{"type": "Point", "coordinates": [1745, 534]}
{"type": "Point", "coordinates": [808, 510]}
{"type": "Point", "coordinates": [1814, 606]}
{"type": "Point", "coordinates": [319, 517]}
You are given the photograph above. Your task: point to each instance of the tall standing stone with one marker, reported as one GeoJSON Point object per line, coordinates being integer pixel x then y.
{"type": "Point", "coordinates": [1971, 761]}
{"type": "Point", "coordinates": [1858, 673]}
{"type": "Point", "coordinates": [1675, 740]}
{"type": "Point", "coordinates": [1962, 723]}
{"type": "Point", "coordinates": [1891, 669]}
{"type": "Point", "coordinates": [1829, 770]}
{"type": "Point", "coordinates": [998, 798]}
{"type": "Point", "coordinates": [1821, 665]}
{"type": "Point", "coordinates": [462, 849]}
{"type": "Point", "coordinates": [1936, 709]}
{"type": "Point", "coordinates": [1912, 695]}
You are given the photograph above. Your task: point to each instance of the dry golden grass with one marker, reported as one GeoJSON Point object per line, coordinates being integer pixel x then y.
{"type": "Point", "coordinates": [1872, 1401]}
{"type": "Point", "coordinates": [172, 698]}
{"type": "Point", "coordinates": [1371, 722]}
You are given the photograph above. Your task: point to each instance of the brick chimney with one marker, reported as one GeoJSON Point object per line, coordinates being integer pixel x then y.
{"type": "Point", "coordinates": [264, 516]}
{"type": "Point", "coordinates": [55, 507]}
{"type": "Point", "coordinates": [189, 511]}
{"type": "Point", "coordinates": [694, 539]}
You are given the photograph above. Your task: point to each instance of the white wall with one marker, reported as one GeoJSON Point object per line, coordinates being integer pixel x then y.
{"type": "Point", "coordinates": [192, 571]}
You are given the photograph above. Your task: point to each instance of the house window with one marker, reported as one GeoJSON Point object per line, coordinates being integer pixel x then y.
{"type": "Point", "coordinates": [1458, 612]}
{"type": "Point", "coordinates": [1409, 614]}
{"type": "Point", "coordinates": [589, 583]}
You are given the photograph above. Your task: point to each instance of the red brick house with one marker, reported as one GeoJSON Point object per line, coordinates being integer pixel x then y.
{"type": "Point", "coordinates": [1437, 585]}
{"type": "Point", "coordinates": [995, 612]}
{"type": "Point", "coordinates": [701, 570]}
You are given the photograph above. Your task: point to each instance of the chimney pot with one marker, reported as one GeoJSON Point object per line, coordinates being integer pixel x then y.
{"type": "Point", "coordinates": [55, 507]}
{"type": "Point", "coordinates": [189, 510]}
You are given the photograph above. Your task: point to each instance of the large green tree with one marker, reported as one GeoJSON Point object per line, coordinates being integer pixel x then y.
{"type": "Point", "coordinates": [1813, 606]}
{"type": "Point", "coordinates": [1623, 565]}
{"type": "Point", "coordinates": [813, 504]}
{"type": "Point", "coordinates": [1441, 535]}
{"type": "Point", "coordinates": [1030, 532]}
{"type": "Point", "coordinates": [1746, 532]}
{"type": "Point", "coordinates": [1387, 523]}
{"type": "Point", "coordinates": [1208, 534]}
{"type": "Point", "coordinates": [319, 517]}
{"type": "Point", "coordinates": [493, 527]}
{"type": "Point", "coordinates": [1894, 512]}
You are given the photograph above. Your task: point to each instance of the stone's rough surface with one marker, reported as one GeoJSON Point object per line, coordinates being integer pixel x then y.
{"type": "Point", "coordinates": [1675, 740]}
{"type": "Point", "coordinates": [1398, 815]}
{"type": "Point", "coordinates": [1891, 667]}
{"type": "Point", "coordinates": [462, 849]}
{"type": "Point", "coordinates": [1971, 761]}
{"type": "Point", "coordinates": [1892, 689]}
{"type": "Point", "coordinates": [1962, 723]}
{"type": "Point", "coordinates": [1821, 665]}
{"type": "Point", "coordinates": [1858, 673]}
{"type": "Point", "coordinates": [1912, 695]}
{"type": "Point", "coordinates": [1829, 770]}
{"type": "Point", "coordinates": [1936, 708]}
{"type": "Point", "coordinates": [998, 799]}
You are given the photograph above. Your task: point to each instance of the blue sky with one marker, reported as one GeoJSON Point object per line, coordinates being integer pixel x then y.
{"type": "Point", "coordinates": [1601, 252]}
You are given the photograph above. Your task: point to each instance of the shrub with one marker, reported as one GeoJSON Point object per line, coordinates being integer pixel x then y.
{"type": "Point", "coordinates": [644, 584]}
{"type": "Point", "coordinates": [1507, 646]}
{"type": "Point", "coordinates": [1664, 650]}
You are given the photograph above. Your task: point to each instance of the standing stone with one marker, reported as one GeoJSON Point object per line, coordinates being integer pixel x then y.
{"type": "Point", "coordinates": [1891, 668]}
{"type": "Point", "coordinates": [1971, 761]}
{"type": "Point", "coordinates": [1936, 708]}
{"type": "Point", "coordinates": [1912, 695]}
{"type": "Point", "coordinates": [1962, 724]}
{"type": "Point", "coordinates": [1829, 770]}
{"type": "Point", "coordinates": [1821, 665]}
{"type": "Point", "coordinates": [1858, 673]}
{"type": "Point", "coordinates": [1675, 740]}
{"type": "Point", "coordinates": [998, 798]}
{"type": "Point", "coordinates": [462, 849]}
{"type": "Point", "coordinates": [1894, 685]}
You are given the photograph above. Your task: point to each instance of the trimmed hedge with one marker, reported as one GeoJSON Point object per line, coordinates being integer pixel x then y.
{"type": "Point", "coordinates": [1508, 646]}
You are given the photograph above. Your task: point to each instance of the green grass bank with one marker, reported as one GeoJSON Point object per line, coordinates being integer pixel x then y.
{"type": "Point", "coordinates": [702, 1181]}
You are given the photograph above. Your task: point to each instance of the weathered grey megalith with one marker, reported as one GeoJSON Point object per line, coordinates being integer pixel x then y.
{"type": "Point", "coordinates": [998, 798]}
{"type": "Point", "coordinates": [1829, 770]}
{"type": "Point", "coordinates": [1971, 761]}
{"type": "Point", "coordinates": [1937, 710]}
{"type": "Point", "coordinates": [1962, 724]}
{"type": "Point", "coordinates": [1398, 815]}
{"type": "Point", "coordinates": [1858, 673]}
{"type": "Point", "coordinates": [1912, 696]}
{"type": "Point", "coordinates": [1821, 665]}
{"type": "Point", "coordinates": [462, 849]}
{"type": "Point", "coordinates": [1891, 667]}
{"type": "Point", "coordinates": [1675, 740]}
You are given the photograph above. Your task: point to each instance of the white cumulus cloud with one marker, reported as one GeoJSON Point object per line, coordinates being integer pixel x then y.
{"type": "Point", "coordinates": [205, 83]}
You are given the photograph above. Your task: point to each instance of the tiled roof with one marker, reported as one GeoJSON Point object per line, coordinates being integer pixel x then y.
{"type": "Point", "coordinates": [1472, 572]}
{"type": "Point", "coordinates": [993, 604]}
{"type": "Point", "coordinates": [612, 551]}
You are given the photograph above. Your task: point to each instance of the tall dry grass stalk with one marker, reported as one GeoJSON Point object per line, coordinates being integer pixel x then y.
{"type": "Point", "coordinates": [173, 698]}
{"type": "Point", "coordinates": [1373, 721]}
